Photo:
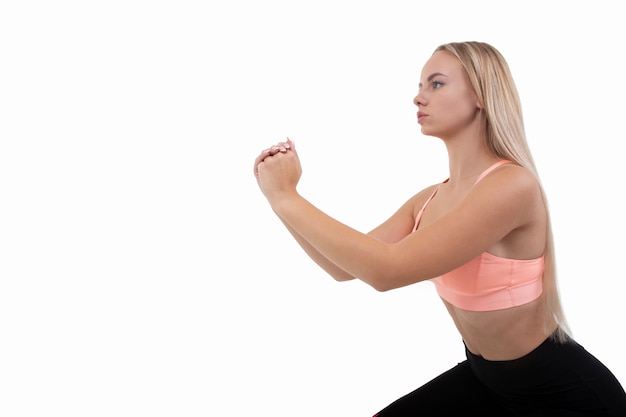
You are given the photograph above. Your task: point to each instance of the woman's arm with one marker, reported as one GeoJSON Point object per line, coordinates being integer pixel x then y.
{"type": "Point", "coordinates": [394, 229]}
{"type": "Point", "coordinates": [499, 204]}
{"type": "Point", "coordinates": [323, 262]}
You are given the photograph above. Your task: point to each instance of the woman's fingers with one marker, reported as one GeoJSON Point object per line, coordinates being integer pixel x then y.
{"type": "Point", "coordinates": [264, 154]}
{"type": "Point", "coordinates": [280, 147]}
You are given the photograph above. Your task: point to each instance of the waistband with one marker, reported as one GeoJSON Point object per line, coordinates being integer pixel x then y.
{"type": "Point", "coordinates": [538, 364]}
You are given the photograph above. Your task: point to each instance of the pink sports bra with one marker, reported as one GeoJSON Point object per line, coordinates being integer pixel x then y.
{"type": "Point", "coordinates": [489, 282]}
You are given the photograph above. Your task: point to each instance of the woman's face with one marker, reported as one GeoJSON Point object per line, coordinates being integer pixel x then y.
{"type": "Point", "coordinates": [447, 104]}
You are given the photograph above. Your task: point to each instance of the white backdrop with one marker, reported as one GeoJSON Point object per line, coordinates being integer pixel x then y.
{"type": "Point", "coordinates": [142, 272]}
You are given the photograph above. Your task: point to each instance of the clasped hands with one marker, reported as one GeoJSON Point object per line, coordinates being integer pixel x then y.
{"type": "Point", "coordinates": [277, 170]}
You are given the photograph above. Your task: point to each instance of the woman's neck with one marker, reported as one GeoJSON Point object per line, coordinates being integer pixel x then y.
{"type": "Point", "coordinates": [467, 162]}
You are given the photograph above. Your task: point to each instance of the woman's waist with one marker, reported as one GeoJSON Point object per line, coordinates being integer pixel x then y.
{"type": "Point", "coordinates": [501, 334]}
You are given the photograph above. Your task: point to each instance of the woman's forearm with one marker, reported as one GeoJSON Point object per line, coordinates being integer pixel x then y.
{"type": "Point", "coordinates": [323, 262]}
{"type": "Point", "coordinates": [348, 250]}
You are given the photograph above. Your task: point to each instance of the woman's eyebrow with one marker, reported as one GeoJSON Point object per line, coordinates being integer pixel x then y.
{"type": "Point", "coordinates": [431, 76]}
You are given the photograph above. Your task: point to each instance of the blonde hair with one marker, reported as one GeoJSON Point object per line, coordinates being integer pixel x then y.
{"type": "Point", "coordinates": [493, 83]}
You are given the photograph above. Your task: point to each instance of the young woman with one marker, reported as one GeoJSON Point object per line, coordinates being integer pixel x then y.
{"type": "Point", "coordinates": [483, 237]}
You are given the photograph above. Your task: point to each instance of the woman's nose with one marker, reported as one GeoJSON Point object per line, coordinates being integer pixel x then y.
{"type": "Point", "coordinates": [419, 100]}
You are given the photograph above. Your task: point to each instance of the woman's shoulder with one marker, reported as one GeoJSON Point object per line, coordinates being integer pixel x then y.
{"type": "Point", "coordinates": [510, 189]}
{"type": "Point", "coordinates": [421, 198]}
{"type": "Point", "coordinates": [424, 194]}
{"type": "Point", "coordinates": [512, 177]}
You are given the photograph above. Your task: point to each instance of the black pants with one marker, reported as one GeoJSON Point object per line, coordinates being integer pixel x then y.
{"type": "Point", "coordinates": [554, 380]}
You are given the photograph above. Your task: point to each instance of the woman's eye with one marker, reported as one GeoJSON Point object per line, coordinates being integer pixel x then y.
{"type": "Point", "coordinates": [437, 84]}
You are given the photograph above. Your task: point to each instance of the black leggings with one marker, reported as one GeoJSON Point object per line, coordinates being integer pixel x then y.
{"type": "Point", "coordinates": [552, 380]}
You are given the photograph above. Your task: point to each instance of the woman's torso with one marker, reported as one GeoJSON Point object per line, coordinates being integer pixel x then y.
{"type": "Point", "coordinates": [500, 334]}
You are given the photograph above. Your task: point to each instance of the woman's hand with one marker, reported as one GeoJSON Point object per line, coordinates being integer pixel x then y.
{"type": "Point", "coordinates": [277, 170]}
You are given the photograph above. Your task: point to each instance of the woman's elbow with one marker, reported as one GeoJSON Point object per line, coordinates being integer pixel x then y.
{"type": "Point", "coordinates": [380, 283]}
{"type": "Point", "coordinates": [387, 282]}
{"type": "Point", "coordinates": [343, 278]}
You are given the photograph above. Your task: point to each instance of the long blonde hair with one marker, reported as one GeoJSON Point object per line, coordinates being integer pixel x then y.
{"type": "Point", "coordinates": [493, 83]}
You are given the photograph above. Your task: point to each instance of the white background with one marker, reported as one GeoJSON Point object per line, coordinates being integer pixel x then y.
{"type": "Point", "coordinates": [142, 272]}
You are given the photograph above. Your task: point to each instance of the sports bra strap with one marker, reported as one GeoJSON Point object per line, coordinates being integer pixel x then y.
{"type": "Point", "coordinates": [418, 218]}
{"type": "Point", "coordinates": [491, 168]}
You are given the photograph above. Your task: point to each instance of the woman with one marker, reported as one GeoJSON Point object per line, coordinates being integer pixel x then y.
{"type": "Point", "coordinates": [483, 237]}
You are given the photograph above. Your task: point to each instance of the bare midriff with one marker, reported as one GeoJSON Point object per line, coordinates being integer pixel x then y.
{"type": "Point", "coordinates": [501, 335]}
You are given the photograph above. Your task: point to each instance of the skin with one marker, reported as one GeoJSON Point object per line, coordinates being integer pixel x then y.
{"type": "Point", "coordinates": [503, 214]}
